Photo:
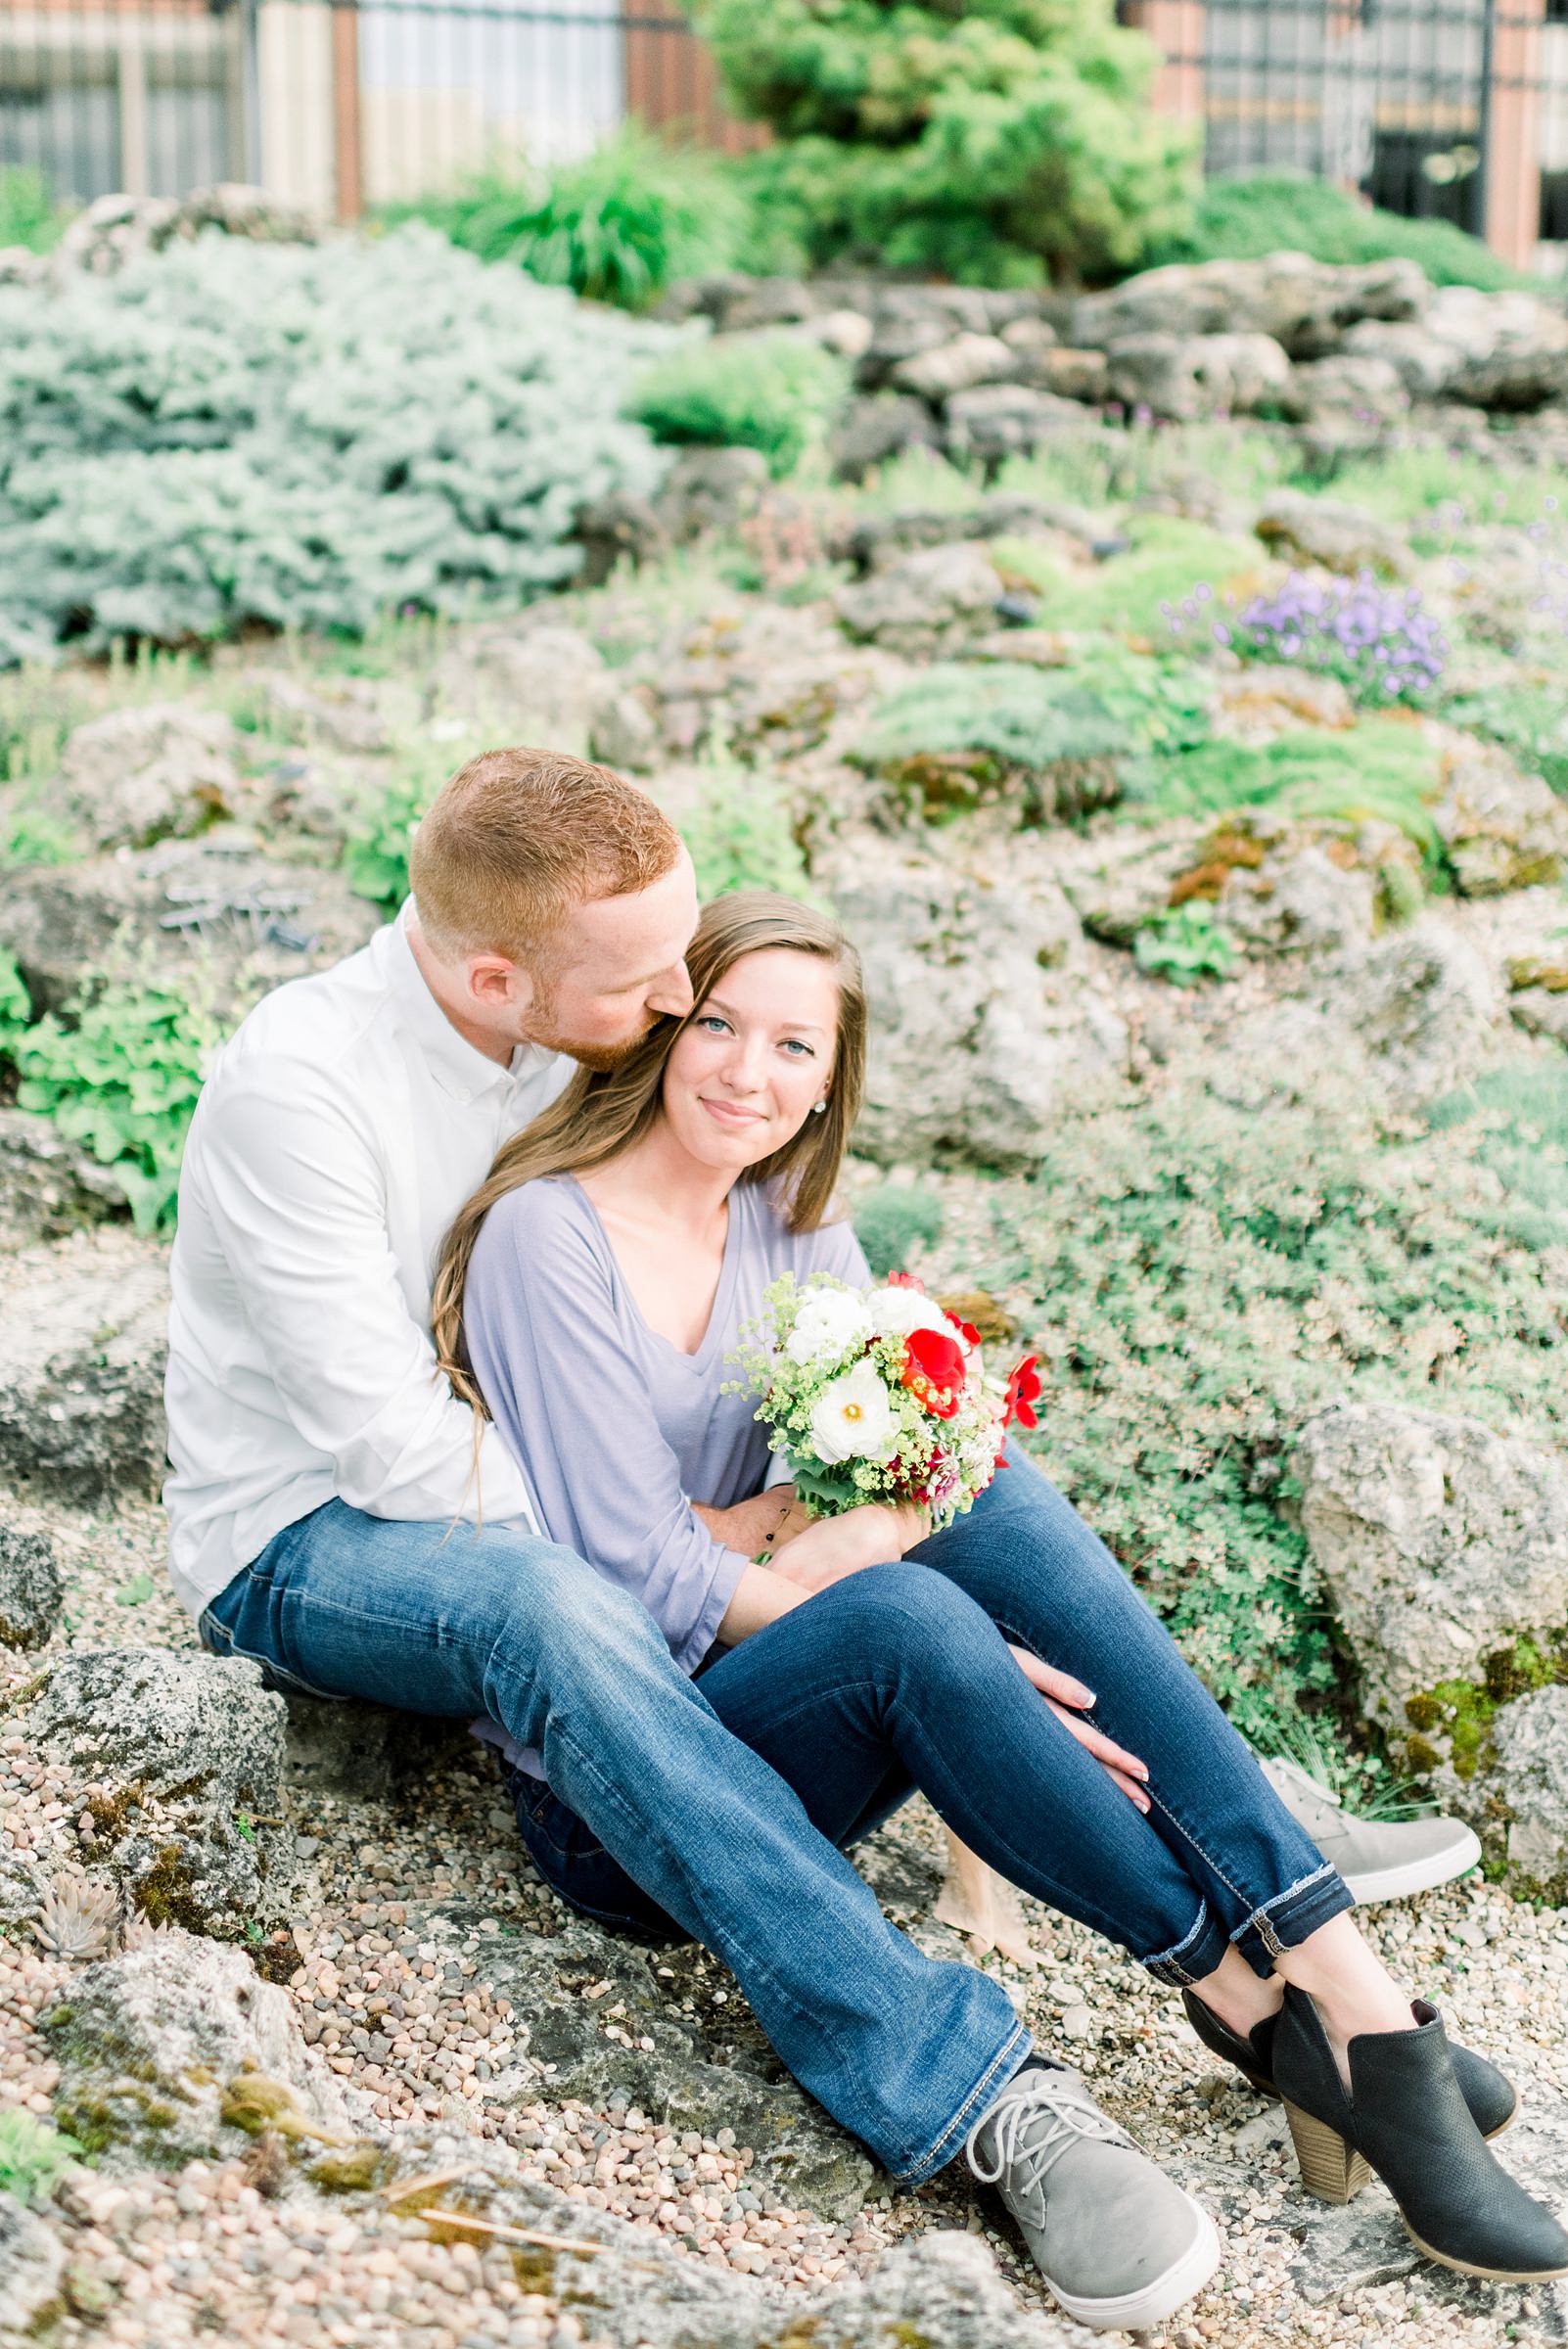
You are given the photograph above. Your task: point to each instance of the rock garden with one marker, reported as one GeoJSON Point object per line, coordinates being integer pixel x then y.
{"type": "Point", "coordinates": [1167, 685]}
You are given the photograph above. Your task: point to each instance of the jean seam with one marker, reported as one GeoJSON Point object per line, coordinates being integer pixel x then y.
{"type": "Point", "coordinates": [1261, 1920]}
{"type": "Point", "coordinates": [1172, 1955]}
{"type": "Point", "coordinates": [933, 2157]}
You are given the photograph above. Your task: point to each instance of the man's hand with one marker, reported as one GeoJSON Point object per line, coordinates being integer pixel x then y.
{"type": "Point", "coordinates": [750, 1525]}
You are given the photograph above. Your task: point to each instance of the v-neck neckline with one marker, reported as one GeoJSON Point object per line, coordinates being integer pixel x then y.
{"type": "Point", "coordinates": [697, 1360]}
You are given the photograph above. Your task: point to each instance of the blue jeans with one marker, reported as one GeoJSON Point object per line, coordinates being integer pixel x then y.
{"type": "Point", "coordinates": [715, 1809]}
{"type": "Point", "coordinates": [906, 2052]}
{"type": "Point", "coordinates": [899, 1678]}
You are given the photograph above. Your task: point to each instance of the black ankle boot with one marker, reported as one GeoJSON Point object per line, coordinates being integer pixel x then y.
{"type": "Point", "coordinates": [1491, 2098]}
{"type": "Point", "coordinates": [1406, 2120]}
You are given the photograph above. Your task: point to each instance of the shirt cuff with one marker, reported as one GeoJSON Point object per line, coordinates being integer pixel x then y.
{"type": "Point", "coordinates": [715, 1605]}
{"type": "Point", "coordinates": [780, 1471]}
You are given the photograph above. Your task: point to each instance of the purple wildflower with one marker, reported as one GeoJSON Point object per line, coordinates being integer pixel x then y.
{"type": "Point", "coordinates": [1379, 640]}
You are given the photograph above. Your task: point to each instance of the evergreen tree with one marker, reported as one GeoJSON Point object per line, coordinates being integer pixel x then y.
{"type": "Point", "coordinates": [995, 144]}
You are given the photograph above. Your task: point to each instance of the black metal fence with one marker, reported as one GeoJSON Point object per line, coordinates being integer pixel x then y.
{"type": "Point", "coordinates": [1452, 109]}
{"type": "Point", "coordinates": [333, 104]}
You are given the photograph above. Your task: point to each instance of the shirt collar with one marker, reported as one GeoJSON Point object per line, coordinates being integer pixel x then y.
{"type": "Point", "coordinates": [459, 1068]}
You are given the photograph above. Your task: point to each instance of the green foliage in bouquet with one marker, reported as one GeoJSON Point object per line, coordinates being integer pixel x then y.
{"type": "Point", "coordinates": [771, 392]}
{"type": "Point", "coordinates": [995, 144]}
{"type": "Point", "coordinates": [119, 1071]}
{"type": "Point", "coordinates": [1197, 1278]}
{"type": "Point", "coordinates": [1247, 217]}
{"type": "Point", "coordinates": [303, 436]}
{"type": "Point", "coordinates": [620, 224]}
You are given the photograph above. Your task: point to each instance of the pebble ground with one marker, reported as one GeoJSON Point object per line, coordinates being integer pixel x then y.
{"type": "Point", "coordinates": [240, 2252]}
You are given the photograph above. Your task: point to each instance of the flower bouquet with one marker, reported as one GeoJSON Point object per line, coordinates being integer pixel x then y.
{"type": "Point", "coordinates": [879, 1395]}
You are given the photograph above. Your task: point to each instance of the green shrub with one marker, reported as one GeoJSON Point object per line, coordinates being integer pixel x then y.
{"type": "Point", "coordinates": [892, 1221]}
{"type": "Point", "coordinates": [1134, 593]}
{"type": "Point", "coordinates": [34, 2155]}
{"type": "Point", "coordinates": [1380, 769]}
{"type": "Point", "coordinates": [1248, 217]}
{"type": "Point", "coordinates": [1197, 1278]}
{"type": "Point", "coordinates": [119, 1071]}
{"type": "Point", "coordinates": [1526, 719]}
{"type": "Point", "coordinates": [740, 834]}
{"type": "Point", "coordinates": [300, 435]}
{"type": "Point", "coordinates": [32, 834]}
{"type": "Point", "coordinates": [618, 226]}
{"type": "Point", "coordinates": [962, 733]}
{"type": "Point", "coordinates": [1515, 1121]}
{"type": "Point", "coordinates": [16, 1005]}
{"type": "Point", "coordinates": [770, 392]}
{"type": "Point", "coordinates": [1185, 943]}
{"type": "Point", "coordinates": [994, 143]}
{"type": "Point", "coordinates": [29, 212]}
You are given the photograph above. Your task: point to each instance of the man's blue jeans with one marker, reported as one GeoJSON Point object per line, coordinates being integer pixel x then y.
{"type": "Point", "coordinates": [715, 1808]}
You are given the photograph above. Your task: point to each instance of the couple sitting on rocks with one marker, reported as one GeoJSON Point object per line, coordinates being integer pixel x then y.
{"type": "Point", "coordinates": [468, 1226]}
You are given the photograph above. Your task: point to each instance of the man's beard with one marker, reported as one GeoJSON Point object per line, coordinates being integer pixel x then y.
{"type": "Point", "coordinates": [602, 1059]}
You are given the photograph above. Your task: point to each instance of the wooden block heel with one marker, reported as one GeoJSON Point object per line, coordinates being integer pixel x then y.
{"type": "Point", "coordinates": [1330, 2168]}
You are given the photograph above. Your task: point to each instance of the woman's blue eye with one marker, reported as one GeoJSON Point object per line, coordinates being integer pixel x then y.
{"type": "Point", "coordinates": [711, 1020]}
{"type": "Point", "coordinates": [792, 1043]}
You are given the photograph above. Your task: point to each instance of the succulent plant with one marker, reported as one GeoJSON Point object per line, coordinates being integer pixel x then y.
{"type": "Point", "coordinates": [77, 1918]}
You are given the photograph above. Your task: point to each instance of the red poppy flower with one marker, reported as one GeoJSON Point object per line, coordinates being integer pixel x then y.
{"type": "Point", "coordinates": [933, 1371]}
{"type": "Point", "coordinates": [966, 1329]}
{"type": "Point", "coordinates": [905, 1280]}
{"type": "Point", "coordinates": [1023, 1393]}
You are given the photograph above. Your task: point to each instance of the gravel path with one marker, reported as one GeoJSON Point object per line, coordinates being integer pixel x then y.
{"type": "Point", "coordinates": [222, 2252]}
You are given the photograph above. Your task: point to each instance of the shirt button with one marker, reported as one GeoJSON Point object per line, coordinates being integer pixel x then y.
{"type": "Point", "coordinates": [464, 1095]}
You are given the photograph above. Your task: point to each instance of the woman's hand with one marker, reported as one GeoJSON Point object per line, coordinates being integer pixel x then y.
{"type": "Point", "coordinates": [815, 1551]}
{"type": "Point", "coordinates": [1065, 1698]}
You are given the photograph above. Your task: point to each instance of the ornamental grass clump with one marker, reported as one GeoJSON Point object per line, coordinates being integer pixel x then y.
{"type": "Point", "coordinates": [1379, 641]}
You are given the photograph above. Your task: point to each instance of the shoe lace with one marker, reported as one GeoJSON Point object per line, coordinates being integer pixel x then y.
{"type": "Point", "coordinates": [1031, 2133]}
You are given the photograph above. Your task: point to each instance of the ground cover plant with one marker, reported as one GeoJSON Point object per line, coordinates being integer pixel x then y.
{"type": "Point", "coordinates": [619, 224]}
{"type": "Point", "coordinates": [1251, 215]}
{"type": "Point", "coordinates": [771, 392]}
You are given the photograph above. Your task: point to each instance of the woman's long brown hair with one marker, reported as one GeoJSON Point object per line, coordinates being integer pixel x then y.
{"type": "Point", "coordinates": [604, 1112]}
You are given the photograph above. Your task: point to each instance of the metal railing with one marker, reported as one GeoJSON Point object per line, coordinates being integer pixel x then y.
{"type": "Point", "coordinates": [1453, 109]}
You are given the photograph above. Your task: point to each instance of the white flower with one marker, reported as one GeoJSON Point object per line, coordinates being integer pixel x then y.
{"type": "Point", "coordinates": [830, 1323]}
{"type": "Point", "coordinates": [851, 1419]}
{"type": "Point", "coordinates": [896, 1311]}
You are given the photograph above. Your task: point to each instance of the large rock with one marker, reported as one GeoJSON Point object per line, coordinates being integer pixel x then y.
{"type": "Point", "coordinates": [118, 229]}
{"type": "Point", "coordinates": [1341, 537]}
{"type": "Point", "coordinates": [83, 1342]}
{"type": "Point", "coordinates": [997, 421]}
{"type": "Point", "coordinates": [1501, 829]}
{"type": "Point", "coordinates": [1298, 898]}
{"type": "Point", "coordinates": [986, 1025]}
{"type": "Point", "coordinates": [632, 2041]}
{"type": "Point", "coordinates": [1440, 1542]}
{"type": "Point", "coordinates": [1186, 377]}
{"type": "Point", "coordinates": [30, 1590]}
{"type": "Point", "coordinates": [525, 683]}
{"type": "Point", "coordinates": [176, 2051]}
{"type": "Point", "coordinates": [140, 775]}
{"type": "Point", "coordinates": [32, 2258]}
{"type": "Point", "coordinates": [1444, 1549]}
{"type": "Point", "coordinates": [1349, 390]}
{"type": "Point", "coordinates": [712, 489]}
{"type": "Point", "coordinates": [192, 1747]}
{"type": "Point", "coordinates": [873, 430]}
{"type": "Point", "coordinates": [957, 366]}
{"type": "Point", "coordinates": [222, 909]}
{"type": "Point", "coordinates": [1511, 349]}
{"type": "Point", "coordinates": [1303, 304]}
{"type": "Point", "coordinates": [1422, 1003]}
{"type": "Point", "coordinates": [49, 1187]}
{"type": "Point", "coordinates": [917, 598]}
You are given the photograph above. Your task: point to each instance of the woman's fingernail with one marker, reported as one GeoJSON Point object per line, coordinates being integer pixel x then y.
{"type": "Point", "coordinates": [1085, 1696]}
{"type": "Point", "coordinates": [1140, 1770]}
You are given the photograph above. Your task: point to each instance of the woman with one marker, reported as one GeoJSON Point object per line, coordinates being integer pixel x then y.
{"type": "Point", "coordinates": [587, 1299]}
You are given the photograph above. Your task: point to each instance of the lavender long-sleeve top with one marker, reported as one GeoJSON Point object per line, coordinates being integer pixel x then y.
{"type": "Point", "coordinates": [616, 1430]}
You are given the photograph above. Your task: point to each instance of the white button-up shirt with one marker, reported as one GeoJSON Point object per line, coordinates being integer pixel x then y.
{"type": "Point", "coordinates": [341, 1129]}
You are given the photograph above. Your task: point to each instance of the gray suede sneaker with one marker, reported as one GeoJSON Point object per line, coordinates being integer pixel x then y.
{"type": "Point", "coordinates": [1119, 2243]}
{"type": "Point", "coordinates": [1379, 1859]}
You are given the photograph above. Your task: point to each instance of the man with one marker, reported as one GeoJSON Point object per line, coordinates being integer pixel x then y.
{"type": "Point", "coordinates": [340, 1517]}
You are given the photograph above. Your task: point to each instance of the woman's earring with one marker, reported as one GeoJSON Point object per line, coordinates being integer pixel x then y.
{"type": "Point", "coordinates": [821, 1109]}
